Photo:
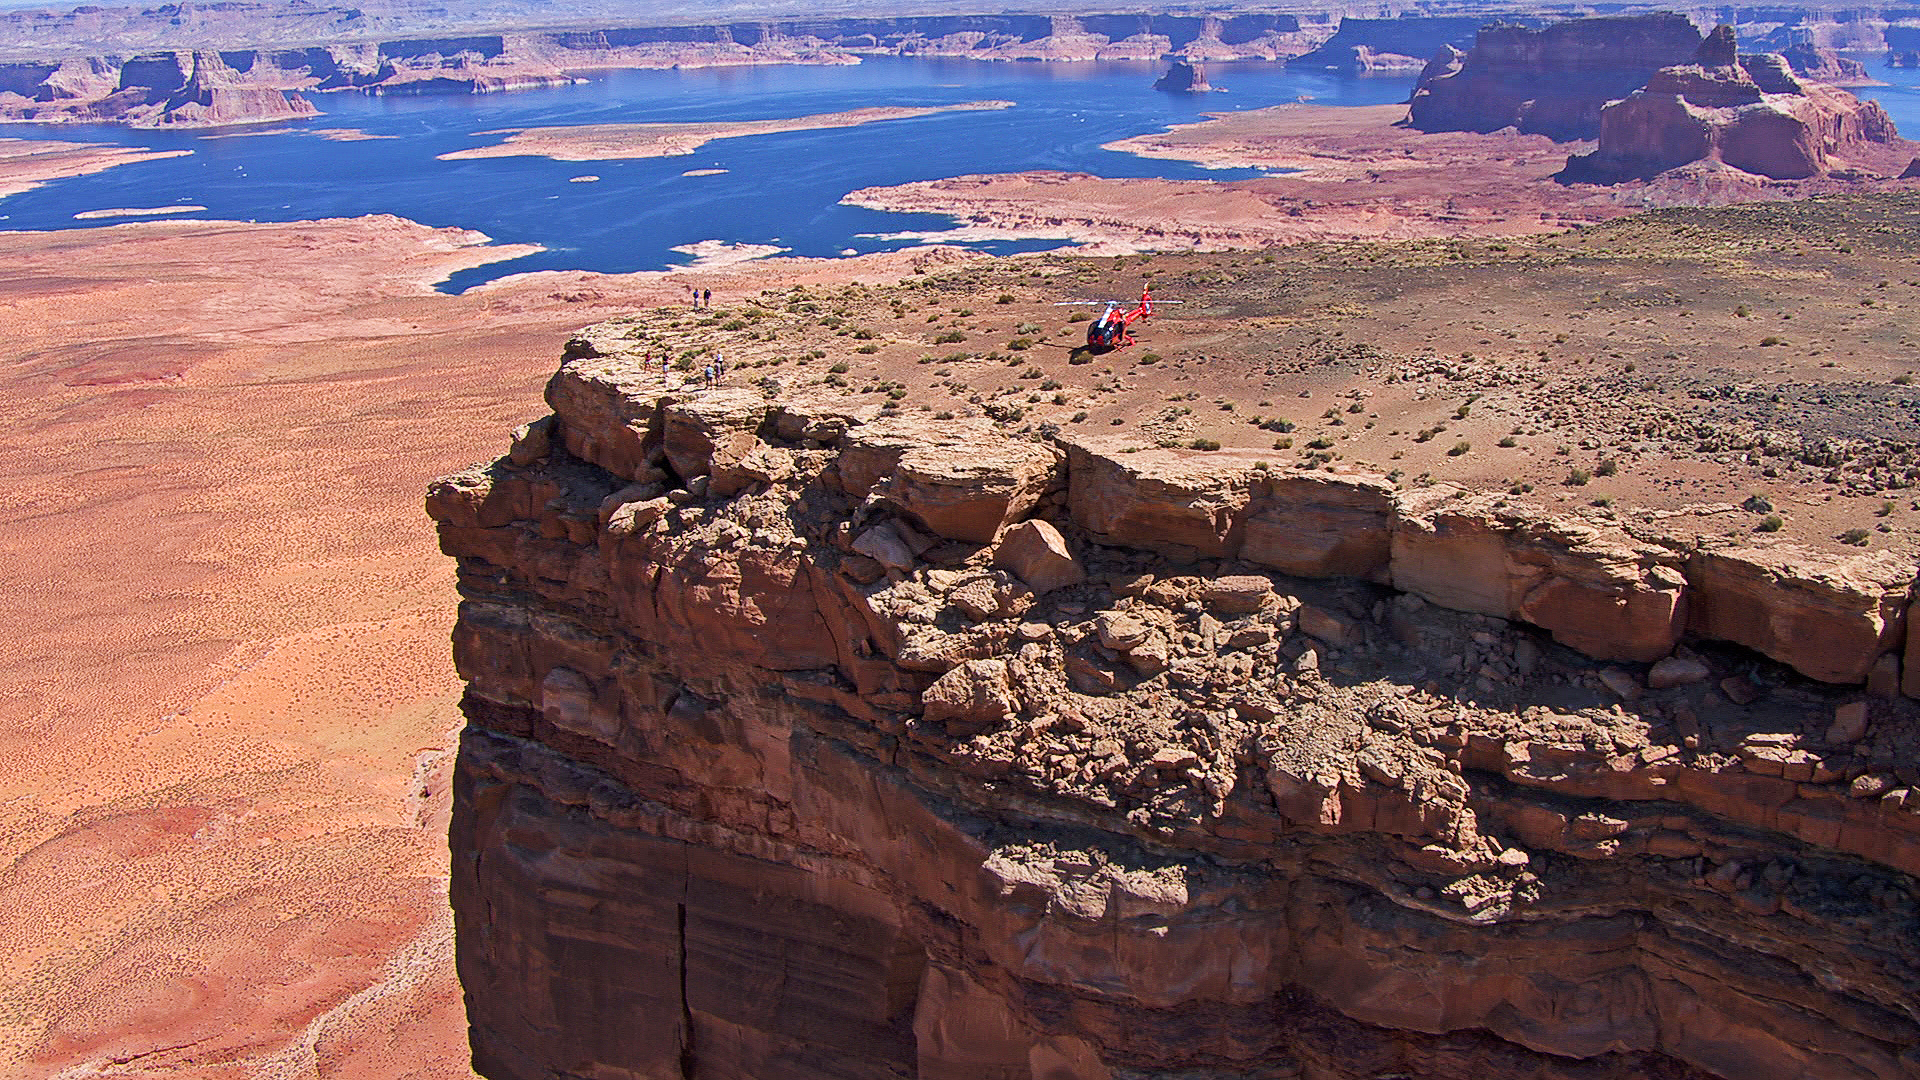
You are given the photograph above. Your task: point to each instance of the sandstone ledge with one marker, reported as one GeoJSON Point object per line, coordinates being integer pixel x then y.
{"type": "Point", "coordinates": [765, 707]}
{"type": "Point", "coordinates": [1608, 593]}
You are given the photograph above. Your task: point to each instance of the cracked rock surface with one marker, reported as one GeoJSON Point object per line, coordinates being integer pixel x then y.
{"type": "Point", "coordinates": [811, 745]}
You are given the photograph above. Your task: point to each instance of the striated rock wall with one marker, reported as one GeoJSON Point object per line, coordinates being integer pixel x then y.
{"type": "Point", "coordinates": [1552, 80]}
{"type": "Point", "coordinates": [1747, 111]}
{"type": "Point", "coordinates": [814, 743]}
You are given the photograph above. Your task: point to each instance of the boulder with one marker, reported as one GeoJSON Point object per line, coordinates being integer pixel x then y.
{"type": "Point", "coordinates": [974, 696]}
{"type": "Point", "coordinates": [1174, 502]}
{"type": "Point", "coordinates": [1237, 594]}
{"type": "Point", "coordinates": [1827, 616]}
{"type": "Point", "coordinates": [1036, 553]}
{"type": "Point", "coordinates": [532, 441]}
{"type": "Point", "coordinates": [971, 496]}
{"type": "Point", "coordinates": [883, 545]}
{"type": "Point", "coordinates": [714, 430]}
{"type": "Point", "coordinates": [608, 411]}
{"type": "Point", "coordinates": [1676, 671]}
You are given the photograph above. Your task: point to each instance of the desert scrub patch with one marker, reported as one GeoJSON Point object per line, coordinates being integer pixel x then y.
{"type": "Point", "coordinates": [868, 349]}
{"type": "Point", "coordinates": [839, 367]}
{"type": "Point", "coordinates": [1204, 444]}
{"type": "Point", "coordinates": [1578, 478]}
{"type": "Point", "coordinates": [951, 337]}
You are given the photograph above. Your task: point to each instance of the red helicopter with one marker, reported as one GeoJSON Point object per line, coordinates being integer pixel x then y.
{"type": "Point", "coordinates": [1109, 331]}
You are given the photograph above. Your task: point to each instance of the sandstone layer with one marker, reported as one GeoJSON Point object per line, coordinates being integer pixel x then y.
{"type": "Point", "coordinates": [1748, 112]}
{"type": "Point", "coordinates": [1551, 80]}
{"type": "Point", "coordinates": [808, 741]}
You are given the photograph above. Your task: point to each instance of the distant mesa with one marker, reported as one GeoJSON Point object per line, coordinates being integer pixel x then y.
{"type": "Point", "coordinates": [1825, 65]}
{"type": "Point", "coordinates": [1748, 111]}
{"type": "Point", "coordinates": [1364, 46]}
{"type": "Point", "coordinates": [155, 90]}
{"type": "Point", "coordinates": [1184, 78]}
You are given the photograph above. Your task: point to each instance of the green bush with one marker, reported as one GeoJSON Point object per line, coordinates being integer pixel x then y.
{"type": "Point", "coordinates": [1205, 444]}
{"type": "Point", "coordinates": [951, 337]}
{"type": "Point", "coordinates": [839, 367]}
{"type": "Point", "coordinates": [1771, 523]}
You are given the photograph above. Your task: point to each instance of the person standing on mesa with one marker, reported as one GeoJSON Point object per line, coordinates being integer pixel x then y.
{"type": "Point", "coordinates": [706, 297]}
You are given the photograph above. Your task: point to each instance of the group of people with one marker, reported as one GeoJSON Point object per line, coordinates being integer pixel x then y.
{"type": "Point", "coordinates": [700, 297]}
{"type": "Point", "coordinates": [712, 373]}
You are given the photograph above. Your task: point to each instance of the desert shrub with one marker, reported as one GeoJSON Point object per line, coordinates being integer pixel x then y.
{"type": "Point", "coordinates": [868, 349]}
{"type": "Point", "coordinates": [1578, 478]}
{"type": "Point", "coordinates": [1004, 298]}
{"type": "Point", "coordinates": [1320, 442]}
{"type": "Point", "coordinates": [1459, 448]}
{"type": "Point", "coordinates": [1607, 467]}
{"type": "Point", "coordinates": [1771, 340]}
{"type": "Point", "coordinates": [1509, 441]}
{"type": "Point", "coordinates": [1771, 523]}
{"type": "Point", "coordinates": [1020, 344]}
{"type": "Point", "coordinates": [951, 337]}
{"type": "Point", "coordinates": [1283, 444]}
{"type": "Point", "coordinates": [1204, 444]}
{"type": "Point", "coordinates": [1856, 537]}
{"type": "Point", "coordinates": [839, 367]}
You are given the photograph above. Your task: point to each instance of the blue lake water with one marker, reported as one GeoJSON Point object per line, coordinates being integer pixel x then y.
{"type": "Point", "coordinates": [781, 189]}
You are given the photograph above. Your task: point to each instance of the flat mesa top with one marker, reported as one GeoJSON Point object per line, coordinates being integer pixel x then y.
{"type": "Point", "coordinates": [1747, 369]}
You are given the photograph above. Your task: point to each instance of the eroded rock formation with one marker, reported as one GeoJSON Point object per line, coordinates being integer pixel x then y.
{"type": "Point", "coordinates": [1747, 111]}
{"type": "Point", "coordinates": [815, 742]}
{"type": "Point", "coordinates": [1184, 78]}
{"type": "Point", "coordinates": [1553, 80]}
{"type": "Point", "coordinates": [172, 89]}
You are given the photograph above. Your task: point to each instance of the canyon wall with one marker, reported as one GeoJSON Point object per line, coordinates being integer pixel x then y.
{"type": "Point", "coordinates": [1750, 112]}
{"type": "Point", "coordinates": [1553, 80]}
{"type": "Point", "coordinates": [816, 741]}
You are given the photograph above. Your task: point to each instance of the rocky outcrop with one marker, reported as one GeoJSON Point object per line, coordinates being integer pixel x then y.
{"type": "Point", "coordinates": [1149, 764]}
{"type": "Point", "coordinates": [1824, 65]}
{"type": "Point", "coordinates": [1749, 112]}
{"type": "Point", "coordinates": [1184, 78]}
{"type": "Point", "coordinates": [1362, 45]}
{"type": "Point", "coordinates": [155, 90]}
{"type": "Point", "coordinates": [1553, 80]}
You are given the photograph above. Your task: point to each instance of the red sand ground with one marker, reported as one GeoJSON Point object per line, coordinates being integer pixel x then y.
{"type": "Point", "coordinates": [222, 791]}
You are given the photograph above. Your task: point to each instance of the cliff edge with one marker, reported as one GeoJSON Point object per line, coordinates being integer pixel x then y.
{"type": "Point", "coordinates": [807, 740]}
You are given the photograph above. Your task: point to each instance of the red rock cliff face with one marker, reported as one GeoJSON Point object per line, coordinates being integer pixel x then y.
{"type": "Point", "coordinates": [1749, 112]}
{"type": "Point", "coordinates": [1554, 80]}
{"type": "Point", "coordinates": [813, 744]}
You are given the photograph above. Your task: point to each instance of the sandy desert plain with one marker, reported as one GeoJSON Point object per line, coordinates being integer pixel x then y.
{"type": "Point", "coordinates": [224, 801]}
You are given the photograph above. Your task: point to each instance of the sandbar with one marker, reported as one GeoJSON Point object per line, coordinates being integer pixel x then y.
{"type": "Point", "coordinates": [604, 142]}
{"type": "Point", "coordinates": [135, 211]}
{"type": "Point", "coordinates": [26, 164]}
